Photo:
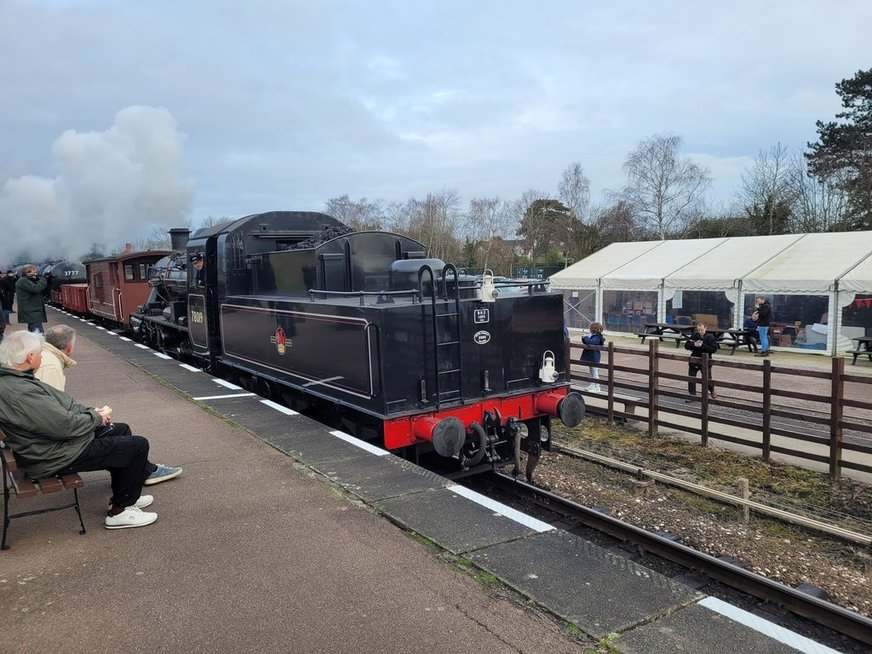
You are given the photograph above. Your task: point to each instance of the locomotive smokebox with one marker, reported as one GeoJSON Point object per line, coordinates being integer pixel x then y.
{"type": "Point", "coordinates": [446, 434]}
{"type": "Point", "coordinates": [179, 238]}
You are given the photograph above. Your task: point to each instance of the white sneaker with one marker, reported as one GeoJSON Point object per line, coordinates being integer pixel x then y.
{"type": "Point", "coordinates": [596, 388]}
{"type": "Point", "coordinates": [592, 388]}
{"type": "Point", "coordinates": [130, 517]}
{"type": "Point", "coordinates": [141, 503]}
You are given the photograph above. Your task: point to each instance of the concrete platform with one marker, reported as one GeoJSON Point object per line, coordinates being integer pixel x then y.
{"type": "Point", "coordinates": [258, 546]}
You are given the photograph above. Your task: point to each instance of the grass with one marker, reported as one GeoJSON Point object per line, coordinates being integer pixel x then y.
{"type": "Point", "coordinates": [812, 492]}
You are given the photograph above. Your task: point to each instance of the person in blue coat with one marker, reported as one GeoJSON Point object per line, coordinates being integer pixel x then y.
{"type": "Point", "coordinates": [593, 356]}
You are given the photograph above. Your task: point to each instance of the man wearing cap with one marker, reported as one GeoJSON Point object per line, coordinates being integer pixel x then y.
{"type": "Point", "coordinates": [31, 300]}
{"type": "Point", "coordinates": [198, 263]}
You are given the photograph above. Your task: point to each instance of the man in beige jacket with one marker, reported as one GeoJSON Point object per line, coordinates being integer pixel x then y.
{"type": "Point", "coordinates": [56, 350]}
{"type": "Point", "coordinates": [56, 358]}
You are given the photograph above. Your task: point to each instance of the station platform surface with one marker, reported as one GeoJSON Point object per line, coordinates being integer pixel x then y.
{"type": "Point", "coordinates": [285, 536]}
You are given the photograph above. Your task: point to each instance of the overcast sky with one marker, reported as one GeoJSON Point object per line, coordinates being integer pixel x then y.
{"type": "Point", "coordinates": [116, 115]}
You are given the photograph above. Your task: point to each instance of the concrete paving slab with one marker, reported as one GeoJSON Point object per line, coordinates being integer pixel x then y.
{"type": "Point", "coordinates": [697, 630]}
{"type": "Point", "coordinates": [456, 523]}
{"type": "Point", "coordinates": [600, 592]}
{"type": "Point", "coordinates": [374, 478]}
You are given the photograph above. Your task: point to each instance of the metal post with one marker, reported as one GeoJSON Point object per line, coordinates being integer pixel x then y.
{"type": "Point", "coordinates": [703, 416]}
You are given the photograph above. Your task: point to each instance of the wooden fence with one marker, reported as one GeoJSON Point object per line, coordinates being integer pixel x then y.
{"type": "Point", "coordinates": [816, 418]}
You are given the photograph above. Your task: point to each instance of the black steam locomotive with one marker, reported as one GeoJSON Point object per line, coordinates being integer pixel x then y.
{"type": "Point", "coordinates": [400, 347]}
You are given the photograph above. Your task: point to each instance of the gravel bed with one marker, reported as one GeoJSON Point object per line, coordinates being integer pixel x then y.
{"type": "Point", "coordinates": [790, 554]}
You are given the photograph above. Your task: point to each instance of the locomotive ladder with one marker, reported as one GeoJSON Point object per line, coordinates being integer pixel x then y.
{"type": "Point", "coordinates": [449, 349]}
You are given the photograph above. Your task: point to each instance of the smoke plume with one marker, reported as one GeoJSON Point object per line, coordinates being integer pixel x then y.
{"type": "Point", "coordinates": [111, 187]}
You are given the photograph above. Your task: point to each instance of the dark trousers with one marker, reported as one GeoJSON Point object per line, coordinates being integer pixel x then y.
{"type": "Point", "coordinates": [693, 369]}
{"type": "Point", "coordinates": [121, 429]}
{"type": "Point", "coordinates": [124, 455]}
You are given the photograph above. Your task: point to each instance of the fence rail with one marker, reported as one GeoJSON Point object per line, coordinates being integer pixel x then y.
{"type": "Point", "coordinates": [793, 421]}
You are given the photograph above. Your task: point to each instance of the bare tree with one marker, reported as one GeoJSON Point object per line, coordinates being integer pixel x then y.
{"type": "Point", "coordinates": [434, 221]}
{"type": "Point", "coordinates": [819, 204]}
{"type": "Point", "coordinates": [666, 192]}
{"type": "Point", "coordinates": [767, 191]}
{"type": "Point", "coordinates": [360, 215]}
{"type": "Point", "coordinates": [488, 223]}
{"type": "Point", "coordinates": [574, 192]}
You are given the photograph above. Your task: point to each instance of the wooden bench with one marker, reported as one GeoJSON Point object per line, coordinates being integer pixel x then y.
{"type": "Point", "coordinates": [15, 481]}
{"type": "Point", "coordinates": [630, 402]}
{"type": "Point", "coordinates": [858, 353]}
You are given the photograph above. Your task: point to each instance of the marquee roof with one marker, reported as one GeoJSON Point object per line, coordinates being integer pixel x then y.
{"type": "Point", "coordinates": [788, 263]}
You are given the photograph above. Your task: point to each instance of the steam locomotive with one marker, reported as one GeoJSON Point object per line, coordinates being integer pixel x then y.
{"type": "Point", "coordinates": [399, 347]}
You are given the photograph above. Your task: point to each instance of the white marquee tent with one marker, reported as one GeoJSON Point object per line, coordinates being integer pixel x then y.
{"type": "Point", "coordinates": [820, 285]}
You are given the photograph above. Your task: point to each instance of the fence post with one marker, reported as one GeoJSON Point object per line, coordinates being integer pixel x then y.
{"type": "Point", "coordinates": [653, 385]}
{"type": "Point", "coordinates": [767, 409]}
{"type": "Point", "coordinates": [703, 416]}
{"type": "Point", "coordinates": [836, 410]}
{"type": "Point", "coordinates": [611, 384]}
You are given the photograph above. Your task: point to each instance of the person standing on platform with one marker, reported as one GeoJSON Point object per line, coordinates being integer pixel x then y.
{"type": "Point", "coordinates": [700, 343]}
{"type": "Point", "coordinates": [31, 301]}
{"type": "Point", "coordinates": [7, 294]}
{"type": "Point", "coordinates": [763, 320]}
{"type": "Point", "coordinates": [593, 356]}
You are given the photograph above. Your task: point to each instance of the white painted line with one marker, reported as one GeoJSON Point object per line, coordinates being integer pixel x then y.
{"type": "Point", "coordinates": [348, 438]}
{"type": "Point", "coordinates": [161, 355]}
{"type": "Point", "coordinates": [221, 397]}
{"type": "Point", "coordinates": [103, 329]}
{"type": "Point", "coordinates": [790, 638]}
{"type": "Point", "coordinates": [279, 407]}
{"type": "Point", "coordinates": [187, 367]}
{"type": "Point", "coordinates": [111, 333]}
{"type": "Point", "coordinates": [502, 509]}
{"type": "Point", "coordinates": [82, 320]}
{"type": "Point", "coordinates": [227, 384]}
{"type": "Point", "coordinates": [124, 338]}
{"type": "Point", "coordinates": [141, 346]}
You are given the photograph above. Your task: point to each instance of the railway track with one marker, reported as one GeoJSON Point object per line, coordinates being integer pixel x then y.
{"type": "Point", "coordinates": [813, 609]}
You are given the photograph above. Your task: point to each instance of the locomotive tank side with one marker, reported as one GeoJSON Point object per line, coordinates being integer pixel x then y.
{"type": "Point", "coordinates": [424, 358]}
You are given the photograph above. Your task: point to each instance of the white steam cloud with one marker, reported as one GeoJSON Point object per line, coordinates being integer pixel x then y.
{"type": "Point", "coordinates": [112, 187]}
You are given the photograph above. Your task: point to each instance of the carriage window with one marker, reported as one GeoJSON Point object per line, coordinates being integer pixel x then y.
{"type": "Point", "coordinates": [128, 272]}
{"type": "Point", "coordinates": [143, 271]}
{"type": "Point", "coordinates": [98, 280]}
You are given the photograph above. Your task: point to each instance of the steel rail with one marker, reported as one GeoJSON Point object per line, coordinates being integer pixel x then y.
{"type": "Point", "coordinates": [816, 610]}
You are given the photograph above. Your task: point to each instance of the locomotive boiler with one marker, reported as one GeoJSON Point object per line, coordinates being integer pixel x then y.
{"type": "Point", "coordinates": [399, 347]}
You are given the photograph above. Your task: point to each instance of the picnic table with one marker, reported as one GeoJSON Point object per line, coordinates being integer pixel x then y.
{"type": "Point", "coordinates": [864, 346]}
{"type": "Point", "coordinates": [661, 330]}
{"type": "Point", "coordinates": [735, 338]}
{"type": "Point", "coordinates": [732, 338]}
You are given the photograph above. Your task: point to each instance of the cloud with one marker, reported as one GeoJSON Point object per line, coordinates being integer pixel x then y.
{"type": "Point", "coordinates": [111, 187]}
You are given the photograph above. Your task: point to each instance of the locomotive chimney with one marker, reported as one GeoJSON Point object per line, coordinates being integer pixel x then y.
{"type": "Point", "coordinates": [179, 238]}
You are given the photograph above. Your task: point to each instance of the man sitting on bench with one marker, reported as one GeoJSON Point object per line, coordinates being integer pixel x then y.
{"type": "Point", "coordinates": [52, 434]}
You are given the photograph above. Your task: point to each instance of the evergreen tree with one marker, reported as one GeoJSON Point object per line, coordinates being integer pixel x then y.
{"type": "Point", "coordinates": [843, 154]}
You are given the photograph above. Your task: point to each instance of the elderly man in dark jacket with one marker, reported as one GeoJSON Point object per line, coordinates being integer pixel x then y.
{"type": "Point", "coordinates": [31, 300]}
{"type": "Point", "coordinates": [52, 434]}
{"type": "Point", "coordinates": [700, 343]}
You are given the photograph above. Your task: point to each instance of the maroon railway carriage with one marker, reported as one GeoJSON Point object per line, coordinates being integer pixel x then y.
{"type": "Point", "coordinates": [74, 297]}
{"type": "Point", "coordinates": [118, 285]}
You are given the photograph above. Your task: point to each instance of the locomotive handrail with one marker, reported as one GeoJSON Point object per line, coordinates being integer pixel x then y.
{"type": "Point", "coordinates": [363, 294]}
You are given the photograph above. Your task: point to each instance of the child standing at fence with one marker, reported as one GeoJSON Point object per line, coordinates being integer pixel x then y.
{"type": "Point", "coordinates": [593, 356]}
